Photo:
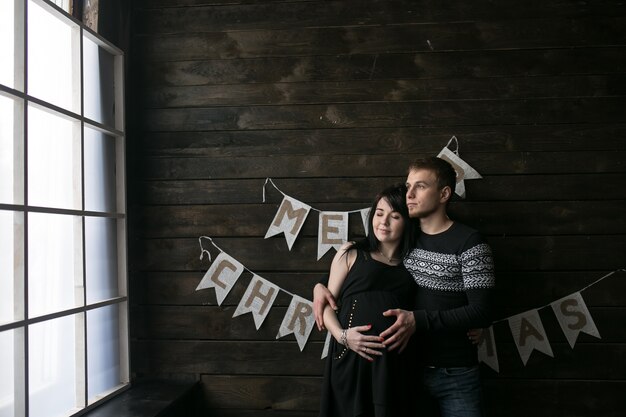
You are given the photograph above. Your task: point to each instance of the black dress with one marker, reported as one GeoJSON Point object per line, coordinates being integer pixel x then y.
{"type": "Point", "coordinates": [352, 385]}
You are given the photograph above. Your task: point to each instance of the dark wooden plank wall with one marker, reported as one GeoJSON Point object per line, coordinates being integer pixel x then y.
{"type": "Point", "coordinates": [332, 99]}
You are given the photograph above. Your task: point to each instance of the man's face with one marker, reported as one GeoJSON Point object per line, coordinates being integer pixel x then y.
{"type": "Point", "coordinates": [423, 196]}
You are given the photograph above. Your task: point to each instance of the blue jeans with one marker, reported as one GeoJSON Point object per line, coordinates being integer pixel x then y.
{"type": "Point", "coordinates": [456, 390]}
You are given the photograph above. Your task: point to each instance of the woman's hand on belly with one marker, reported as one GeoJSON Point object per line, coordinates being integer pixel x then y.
{"type": "Point", "coordinates": [366, 346]}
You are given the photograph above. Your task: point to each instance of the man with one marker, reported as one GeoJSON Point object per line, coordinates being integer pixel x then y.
{"type": "Point", "coordinates": [453, 268]}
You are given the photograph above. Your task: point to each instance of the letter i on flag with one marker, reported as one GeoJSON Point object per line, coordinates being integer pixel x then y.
{"type": "Point", "coordinates": [487, 349]}
{"type": "Point", "coordinates": [288, 220]}
{"type": "Point", "coordinates": [258, 299]}
{"type": "Point", "coordinates": [529, 334]}
{"type": "Point", "coordinates": [298, 320]}
{"type": "Point", "coordinates": [573, 316]}
{"type": "Point", "coordinates": [222, 275]}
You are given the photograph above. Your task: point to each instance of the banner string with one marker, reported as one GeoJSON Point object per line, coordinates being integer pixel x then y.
{"type": "Point", "coordinates": [203, 251]}
{"type": "Point", "coordinates": [590, 285]}
{"type": "Point", "coordinates": [312, 208]}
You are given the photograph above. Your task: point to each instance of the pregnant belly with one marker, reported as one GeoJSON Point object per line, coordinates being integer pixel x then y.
{"type": "Point", "coordinates": [367, 308]}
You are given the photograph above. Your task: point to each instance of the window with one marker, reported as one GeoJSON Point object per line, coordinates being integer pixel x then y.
{"type": "Point", "coordinates": [63, 286]}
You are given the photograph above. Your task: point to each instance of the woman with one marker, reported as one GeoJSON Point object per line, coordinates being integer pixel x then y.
{"type": "Point", "coordinates": [367, 277]}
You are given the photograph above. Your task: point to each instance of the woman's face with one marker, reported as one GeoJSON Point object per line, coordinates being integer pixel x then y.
{"type": "Point", "coordinates": [388, 224]}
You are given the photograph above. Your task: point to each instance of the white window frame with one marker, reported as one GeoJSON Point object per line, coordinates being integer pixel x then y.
{"type": "Point", "coordinates": [19, 93]}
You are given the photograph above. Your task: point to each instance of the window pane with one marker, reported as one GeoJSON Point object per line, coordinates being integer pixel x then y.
{"type": "Point", "coordinates": [101, 258]}
{"type": "Point", "coordinates": [103, 345]}
{"type": "Point", "coordinates": [11, 151]}
{"type": "Point", "coordinates": [99, 83]}
{"type": "Point", "coordinates": [11, 266]}
{"type": "Point", "coordinates": [12, 366]}
{"type": "Point", "coordinates": [54, 174]}
{"type": "Point", "coordinates": [53, 64]}
{"type": "Point", "coordinates": [53, 354]}
{"type": "Point", "coordinates": [54, 263]}
{"type": "Point", "coordinates": [7, 43]}
{"type": "Point", "coordinates": [100, 172]}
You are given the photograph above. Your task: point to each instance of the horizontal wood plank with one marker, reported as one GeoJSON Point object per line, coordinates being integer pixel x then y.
{"type": "Point", "coordinates": [262, 393]}
{"type": "Point", "coordinates": [385, 91]}
{"type": "Point", "coordinates": [218, 323]}
{"type": "Point", "coordinates": [219, 357]}
{"type": "Point", "coordinates": [395, 141]}
{"type": "Point", "coordinates": [279, 15]}
{"type": "Point", "coordinates": [436, 37]}
{"type": "Point", "coordinates": [284, 358]}
{"type": "Point", "coordinates": [555, 398]}
{"type": "Point", "coordinates": [391, 114]}
{"type": "Point", "coordinates": [516, 291]}
{"type": "Point", "coordinates": [491, 218]}
{"type": "Point", "coordinates": [521, 253]}
{"type": "Point", "coordinates": [320, 191]}
{"type": "Point", "coordinates": [386, 66]}
{"type": "Point", "coordinates": [346, 166]}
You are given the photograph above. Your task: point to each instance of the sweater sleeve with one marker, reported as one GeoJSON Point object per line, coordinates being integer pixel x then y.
{"type": "Point", "coordinates": [478, 282]}
{"type": "Point", "coordinates": [476, 314]}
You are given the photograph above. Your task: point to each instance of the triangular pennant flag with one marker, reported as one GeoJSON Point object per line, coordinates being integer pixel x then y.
{"type": "Point", "coordinates": [463, 170]}
{"type": "Point", "coordinates": [289, 219]}
{"type": "Point", "coordinates": [222, 275]}
{"type": "Point", "coordinates": [487, 349]}
{"type": "Point", "coordinates": [332, 231]}
{"type": "Point", "coordinates": [574, 317]}
{"type": "Point", "coordinates": [258, 299]}
{"type": "Point", "coordinates": [326, 345]}
{"type": "Point", "coordinates": [529, 334]}
{"type": "Point", "coordinates": [365, 213]}
{"type": "Point", "coordinates": [298, 320]}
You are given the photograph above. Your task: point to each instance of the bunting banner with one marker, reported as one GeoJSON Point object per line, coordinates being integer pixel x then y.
{"type": "Point", "coordinates": [332, 231]}
{"type": "Point", "coordinates": [462, 168]}
{"type": "Point", "coordinates": [289, 220]}
{"type": "Point", "coordinates": [529, 334]}
{"type": "Point", "coordinates": [573, 317]}
{"type": "Point", "coordinates": [299, 320]}
{"type": "Point", "coordinates": [257, 299]}
{"type": "Point", "coordinates": [487, 353]}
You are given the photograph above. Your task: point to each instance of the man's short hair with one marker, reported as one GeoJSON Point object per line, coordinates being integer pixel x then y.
{"type": "Point", "coordinates": [443, 170]}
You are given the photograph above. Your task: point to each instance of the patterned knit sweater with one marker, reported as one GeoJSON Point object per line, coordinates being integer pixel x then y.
{"type": "Point", "coordinates": [455, 275]}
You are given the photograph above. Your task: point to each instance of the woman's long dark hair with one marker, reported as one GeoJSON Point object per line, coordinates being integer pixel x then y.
{"type": "Point", "coordinates": [395, 195]}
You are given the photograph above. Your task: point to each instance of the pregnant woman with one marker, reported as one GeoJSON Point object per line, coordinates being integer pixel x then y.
{"type": "Point", "coordinates": [368, 278]}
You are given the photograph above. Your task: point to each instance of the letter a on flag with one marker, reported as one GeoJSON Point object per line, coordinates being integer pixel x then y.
{"type": "Point", "coordinates": [529, 334]}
